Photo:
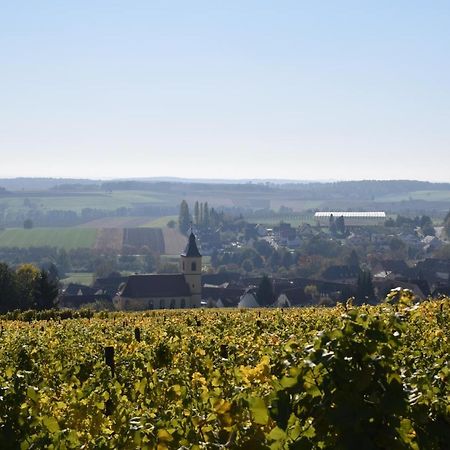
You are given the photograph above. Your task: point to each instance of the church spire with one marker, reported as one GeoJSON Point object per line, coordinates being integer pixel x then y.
{"type": "Point", "coordinates": [191, 249]}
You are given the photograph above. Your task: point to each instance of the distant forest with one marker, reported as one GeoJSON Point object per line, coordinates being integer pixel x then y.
{"type": "Point", "coordinates": [365, 189]}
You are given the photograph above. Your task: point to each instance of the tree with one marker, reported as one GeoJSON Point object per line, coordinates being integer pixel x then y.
{"type": "Point", "coordinates": [45, 292]}
{"type": "Point", "coordinates": [364, 288]}
{"type": "Point", "coordinates": [27, 276]}
{"type": "Point", "coordinates": [247, 265]}
{"type": "Point", "coordinates": [63, 261]}
{"type": "Point", "coordinates": [151, 261]}
{"type": "Point", "coordinates": [353, 259]}
{"type": "Point", "coordinates": [263, 248]}
{"type": "Point", "coordinates": [104, 265]}
{"type": "Point", "coordinates": [196, 213]}
{"type": "Point", "coordinates": [397, 246]}
{"type": "Point", "coordinates": [340, 225]}
{"type": "Point", "coordinates": [184, 218]}
{"type": "Point", "coordinates": [28, 224]}
{"type": "Point", "coordinates": [312, 291]}
{"type": "Point", "coordinates": [8, 289]}
{"type": "Point", "coordinates": [264, 294]}
{"type": "Point", "coordinates": [205, 215]}
{"type": "Point", "coordinates": [171, 223]}
{"type": "Point", "coordinates": [447, 224]}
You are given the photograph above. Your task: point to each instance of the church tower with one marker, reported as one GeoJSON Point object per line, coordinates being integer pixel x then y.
{"type": "Point", "coordinates": [191, 268]}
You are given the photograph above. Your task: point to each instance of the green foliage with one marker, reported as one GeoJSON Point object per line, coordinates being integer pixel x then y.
{"type": "Point", "coordinates": [332, 378]}
{"type": "Point", "coordinates": [184, 218]}
{"type": "Point", "coordinates": [347, 393]}
{"type": "Point", "coordinates": [45, 292]}
{"type": "Point", "coordinates": [27, 224]}
{"type": "Point", "coordinates": [264, 294]}
{"type": "Point", "coordinates": [364, 288]}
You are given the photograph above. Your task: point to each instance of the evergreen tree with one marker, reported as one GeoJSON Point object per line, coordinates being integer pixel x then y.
{"type": "Point", "coordinates": [184, 218]}
{"type": "Point", "coordinates": [196, 213]}
{"type": "Point", "coordinates": [264, 293]}
{"type": "Point", "coordinates": [364, 289]}
{"type": "Point", "coordinates": [206, 215]}
{"type": "Point", "coordinates": [45, 292]}
{"type": "Point", "coordinates": [447, 224]}
{"type": "Point", "coordinates": [353, 259]}
{"type": "Point", "coordinates": [340, 225]}
{"type": "Point", "coordinates": [8, 289]}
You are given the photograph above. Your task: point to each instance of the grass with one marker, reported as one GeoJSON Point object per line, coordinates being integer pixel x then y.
{"type": "Point", "coordinates": [85, 278]}
{"type": "Point", "coordinates": [430, 196]}
{"type": "Point", "coordinates": [67, 238]}
{"type": "Point", "coordinates": [294, 220]}
{"type": "Point", "coordinates": [160, 222]}
{"type": "Point", "coordinates": [77, 201]}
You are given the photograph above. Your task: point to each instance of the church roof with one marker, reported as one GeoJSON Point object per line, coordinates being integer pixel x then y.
{"type": "Point", "coordinates": [170, 285]}
{"type": "Point", "coordinates": [191, 249]}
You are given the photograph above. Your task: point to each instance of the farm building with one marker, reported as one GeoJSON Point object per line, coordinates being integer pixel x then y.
{"type": "Point", "coordinates": [351, 218]}
{"type": "Point", "coordinates": [169, 291]}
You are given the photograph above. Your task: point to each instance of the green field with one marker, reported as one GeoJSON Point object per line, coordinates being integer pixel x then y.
{"type": "Point", "coordinates": [78, 201]}
{"type": "Point", "coordinates": [67, 238]}
{"type": "Point", "coordinates": [85, 278]}
{"type": "Point", "coordinates": [429, 196]}
{"type": "Point", "coordinates": [294, 220]}
{"type": "Point", "coordinates": [160, 222]}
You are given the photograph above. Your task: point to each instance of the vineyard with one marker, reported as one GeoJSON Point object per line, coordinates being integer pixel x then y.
{"type": "Point", "coordinates": [334, 378]}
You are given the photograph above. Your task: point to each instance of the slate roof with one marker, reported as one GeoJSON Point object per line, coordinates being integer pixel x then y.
{"type": "Point", "coordinates": [78, 289]}
{"type": "Point", "coordinates": [395, 265]}
{"type": "Point", "coordinates": [297, 297]}
{"type": "Point", "coordinates": [109, 285]}
{"type": "Point", "coordinates": [169, 285]}
{"type": "Point", "coordinates": [191, 249]}
{"type": "Point", "coordinates": [340, 272]}
{"type": "Point", "coordinates": [78, 300]}
{"type": "Point", "coordinates": [220, 278]}
{"type": "Point", "coordinates": [229, 296]}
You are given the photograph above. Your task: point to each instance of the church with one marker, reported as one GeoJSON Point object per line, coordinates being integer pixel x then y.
{"type": "Point", "coordinates": [166, 291]}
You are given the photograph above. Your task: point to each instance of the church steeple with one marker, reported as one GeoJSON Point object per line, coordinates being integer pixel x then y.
{"type": "Point", "coordinates": [191, 250]}
{"type": "Point", "coordinates": [191, 268]}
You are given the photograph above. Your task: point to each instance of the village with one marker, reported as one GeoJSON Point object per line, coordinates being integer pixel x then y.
{"type": "Point", "coordinates": [340, 255]}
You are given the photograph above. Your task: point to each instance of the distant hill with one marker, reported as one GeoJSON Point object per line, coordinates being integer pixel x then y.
{"type": "Point", "coordinates": [37, 184]}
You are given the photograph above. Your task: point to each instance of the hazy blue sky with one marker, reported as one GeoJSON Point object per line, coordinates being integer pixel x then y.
{"type": "Point", "coordinates": [226, 89]}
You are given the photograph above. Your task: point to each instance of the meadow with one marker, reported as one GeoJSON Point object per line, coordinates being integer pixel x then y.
{"type": "Point", "coordinates": [67, 238]}
{"type": "Point", "coordinates": [331, 378]}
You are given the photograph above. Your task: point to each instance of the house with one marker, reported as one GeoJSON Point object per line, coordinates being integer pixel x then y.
{"type": "Point", "coordinates": [261, 230]}
{"type": "Point", "coordinates": [383, 288]}
{"type": "Point", "coordinates": [431, 244]}
{"type": "Point", "coordinates": [341, 273]}
{"type": "Point", "coordinates": [151, 291]}
{"type": "Point", "coordinates": [248, 299]}
{"type": "Point", "coordinates": [77, 289]}
{"type": "Point", "coordinates": [76, 301]}
{"type": "Point", "coordinates": [222, 296]}
{"type": "Point", "coordinates": [294, 297]}
{"type": "Point", "coordinates": [109, 285]}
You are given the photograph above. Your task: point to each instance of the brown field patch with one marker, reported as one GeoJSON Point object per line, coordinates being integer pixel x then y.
{"type": "Point", "coordinates": [174, 241]}
{"type": "Point", "coordinates": [117, 222]}
{"type": "Point", "coordinates": [134, 239]}
{"type": "Point", "coordinates": [109, 239]}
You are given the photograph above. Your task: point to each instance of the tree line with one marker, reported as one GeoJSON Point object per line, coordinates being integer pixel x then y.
{"type": "Point", "coordinates": [203, 217]}
{"type": "Point", "coordinates": [27, 287]}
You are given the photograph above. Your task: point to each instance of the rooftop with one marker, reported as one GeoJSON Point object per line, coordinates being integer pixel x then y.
{"type": "Point", "coordinates": [368, 214]}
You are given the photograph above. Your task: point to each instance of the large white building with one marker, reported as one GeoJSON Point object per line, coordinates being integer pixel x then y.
{"type": "Point", "coordinates": [351, 218]}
